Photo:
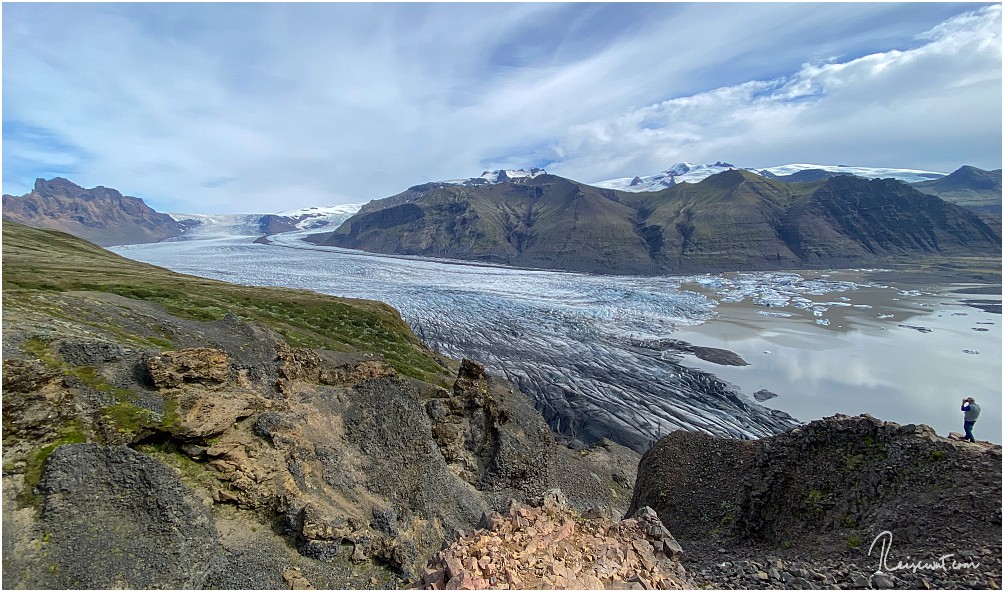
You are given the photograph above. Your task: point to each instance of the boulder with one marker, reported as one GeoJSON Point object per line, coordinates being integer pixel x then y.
{"type": "Point", "coordinates": [200, 413]}
{"type": "Point", "coordinates": [201, 365]}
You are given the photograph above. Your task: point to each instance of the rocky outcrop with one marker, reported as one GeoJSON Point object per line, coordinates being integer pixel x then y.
{"type": "Point", "coordinates": [114, 518]}
{"type": "Point", "coordinates": [360, 469]}
{"type": "Point", "coordinates": [200, 399]}
{"type": "Point", "coordinates": [465, 425]}
{"type": "Point", "coordinates": [101, 215]}
{"type": "Point", "coordinates": [34, 401]}
{"type": "Point", "coordinates": [547, 545]}
{"type": "Point", "coordinates": [819, 496]}
{"type": "Point", "coordinates": [202, 366]}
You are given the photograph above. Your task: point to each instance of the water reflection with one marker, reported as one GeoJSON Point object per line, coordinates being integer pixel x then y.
{"type": "Point", "coordinates": [862, 363]}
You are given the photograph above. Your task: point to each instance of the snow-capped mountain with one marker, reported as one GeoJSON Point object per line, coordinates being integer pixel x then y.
{"type": "Point", "coordinates": [318, 216]}
{"type": "Point", "coordinates": [499, 176]}
{"type": "Point", "coordinates": [681, 172]}
{"type": "Point", "coordinates": [685, 172]}
{"type": "Point", "coordinates": [905, 175]}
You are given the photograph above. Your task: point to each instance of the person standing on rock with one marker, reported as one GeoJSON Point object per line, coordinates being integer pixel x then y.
{"type": "Point", "coordinates": [972, 411]}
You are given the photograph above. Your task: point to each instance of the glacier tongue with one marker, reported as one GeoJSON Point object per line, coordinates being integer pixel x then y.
{"type": "Point", "coordinates": [591, 351]}
{"type": "Point", "coordinates": [219, 226]}
{"type": "Point", "coordinates": [597, 371]}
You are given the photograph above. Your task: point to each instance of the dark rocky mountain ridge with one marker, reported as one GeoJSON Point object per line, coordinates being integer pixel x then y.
{"type": "Point", "coordinates": [101, 215]}
{"type": "Point", "coordinates": [735, 220]}
{"type": "Point", "coordinates": [968, 186]}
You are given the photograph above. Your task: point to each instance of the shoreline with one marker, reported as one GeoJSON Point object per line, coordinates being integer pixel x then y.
{"type": "Point", "coordinates": [865, 360]}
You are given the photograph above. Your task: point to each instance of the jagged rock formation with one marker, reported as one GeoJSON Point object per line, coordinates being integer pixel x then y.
{"type": "Point", "coordinates": [101, 215]}
{"type": "Point", "coordinates": [546, 545]}
{"type": "Point", "coordinates": [361, 461]}
{"type": "Point", "coordinates": [735, 220]}
{"type": "Point", "coordinates": [816, 497]}
{"type": "Point", "coordinates": [354, 464]}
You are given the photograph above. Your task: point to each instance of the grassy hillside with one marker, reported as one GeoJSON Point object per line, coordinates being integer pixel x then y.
{"type": "Point", "coordinates": [729, 221]}
{"type": "Point", "coordinates": [37, 261]}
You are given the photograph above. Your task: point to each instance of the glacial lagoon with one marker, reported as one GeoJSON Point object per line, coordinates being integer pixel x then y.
{"type": "Point", "coordinates": [591, 349]}
{"type": "Point", "coordinates": [908, 356]}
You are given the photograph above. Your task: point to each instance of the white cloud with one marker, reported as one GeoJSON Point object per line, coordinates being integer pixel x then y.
{"type": "Point", "coordinates": [935, 106]}
{"type": "Point", "coordinates": [233, 107]}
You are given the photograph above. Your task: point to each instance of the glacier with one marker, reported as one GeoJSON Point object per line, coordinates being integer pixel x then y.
{"type": "Point", "coordinates": [592, 352]}
{"type": "Point", "coordinates": [685, 172]}
{"type": "Point", "coordinates": [608, 357]}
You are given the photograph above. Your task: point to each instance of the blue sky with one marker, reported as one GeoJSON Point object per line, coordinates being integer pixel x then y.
{"type": "Point", "coordinates": [220, 108]}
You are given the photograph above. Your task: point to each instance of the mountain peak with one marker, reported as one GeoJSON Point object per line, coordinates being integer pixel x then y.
{"type": "Point", "coordinates": [974, 174]}
{"type": "Point", "coordinates": [490, 177]}
{"type": "Point", "coordinates": [968, 186]}
{"type": "Point", "coordinates": [40, 182]}
{"type": "Point", "coordinates": [55, 184]}
{"type": "Point", "coordinates": [101, 215]}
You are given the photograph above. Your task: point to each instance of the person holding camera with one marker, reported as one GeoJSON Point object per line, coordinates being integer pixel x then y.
{"type": "Point", "coordinates": [972, 411]}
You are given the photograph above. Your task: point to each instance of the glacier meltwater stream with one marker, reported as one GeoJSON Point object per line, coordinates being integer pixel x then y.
{"type": "Point", "coordinates": [595, 353]}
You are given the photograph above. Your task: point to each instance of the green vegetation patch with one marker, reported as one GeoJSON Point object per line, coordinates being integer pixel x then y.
{"type": "Point", "coordinates": [71, 433]}
{"type": "Point", "coordinates": [35, 260]}
{"type": "Point", "coordinates": [854, 461]}
{"type": "Point", "coordinates": [193, 473]}
{"type": "Point", "coordinates": [129, 419]}
{"type": "Point", "coordinates": [814, 500]}
{"type": "Point", "coordinates": [41, 350]}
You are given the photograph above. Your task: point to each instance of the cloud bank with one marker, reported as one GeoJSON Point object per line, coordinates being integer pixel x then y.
{"type": "Point", "coordinates": [264, 107]}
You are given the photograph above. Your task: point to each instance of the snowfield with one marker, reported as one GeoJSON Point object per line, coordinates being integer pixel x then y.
{"type": "Point", "coordinates": [685, 172]}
